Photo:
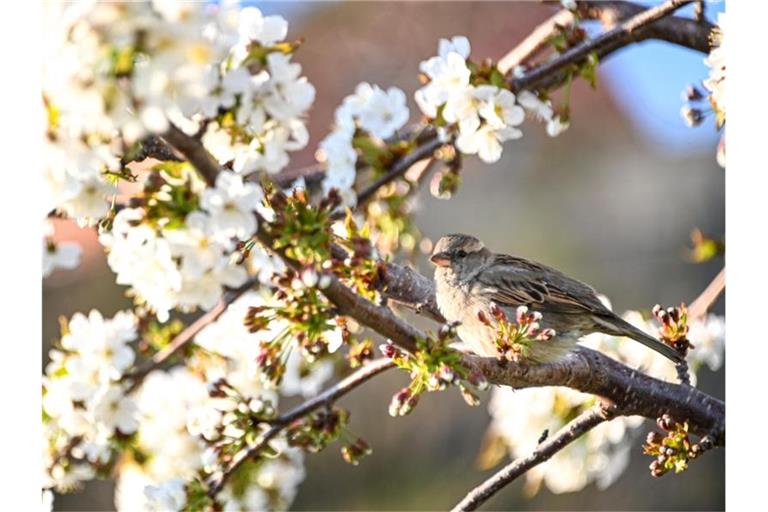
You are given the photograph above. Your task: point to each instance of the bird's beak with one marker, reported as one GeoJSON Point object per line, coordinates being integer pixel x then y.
{"type": "Point", "coordinates": [440, 259]}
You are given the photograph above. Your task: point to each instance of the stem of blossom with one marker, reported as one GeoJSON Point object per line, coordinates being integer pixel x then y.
{"type": "Point", "coordinates": [327, 397]}
{"type": "Point", "coordinates": [708, 297]}
{"type": "Point", "coordinates": [182, 339]}
{"type": "Point", "coordinates": [582, 424]}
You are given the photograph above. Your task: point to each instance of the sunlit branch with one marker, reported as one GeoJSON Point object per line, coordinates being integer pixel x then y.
{"type": "Point", "coordinates": [704, 302]}
{"type": "Point", "coordinates": [186, 336]}
{"type": "Point", "coordinates": [579, 426]}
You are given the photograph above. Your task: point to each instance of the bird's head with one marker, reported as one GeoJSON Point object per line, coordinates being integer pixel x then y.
{"type": "Point", "coordinates": [459, 253]}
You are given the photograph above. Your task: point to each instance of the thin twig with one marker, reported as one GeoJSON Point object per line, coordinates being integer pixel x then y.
{"type": "Point", "coordinates": [399, 168]}
{"type": "Point", "coordinates": [536, 41]}
{"type": "Point", "coordinates": [327, 397]}
{"type": "Point", "coordinates": [186, 336]}
{"type": "Point", "coordinates": [582, 424]}
{"type": "Point", "coordinates": [708, 297]}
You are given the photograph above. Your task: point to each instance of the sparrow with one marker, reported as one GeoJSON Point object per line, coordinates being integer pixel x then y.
{"type": "Point", "coordinates": [473, 284]}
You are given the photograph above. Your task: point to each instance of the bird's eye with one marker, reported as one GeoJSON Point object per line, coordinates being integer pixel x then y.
{"type": "Point", "coordinates": [461, 253]}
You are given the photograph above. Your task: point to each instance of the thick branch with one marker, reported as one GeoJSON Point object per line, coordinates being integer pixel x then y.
{"type": "Point", "coordinates": [585, 370]}
{"type": "Point", "coordinates": [327, 397]}
{"type": "Point", "coordinates": [637, 28]}
{"type": "Point", "coordinates": [582, 424]}
{"type": "Point", "coordinates": [686, 32]}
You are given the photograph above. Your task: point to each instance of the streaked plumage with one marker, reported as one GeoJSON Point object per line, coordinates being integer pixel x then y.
{"type": "Point", "coordinates": [469, 278]}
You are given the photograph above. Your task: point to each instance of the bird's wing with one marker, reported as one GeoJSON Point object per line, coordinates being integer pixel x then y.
{"type": "Point", "coordinates": [511, 281]}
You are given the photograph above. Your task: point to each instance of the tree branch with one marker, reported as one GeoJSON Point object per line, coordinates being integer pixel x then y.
{"type": "Point", "coordinates": [579, 426]}
{"type": "Point", "coordinates": [708, 297]}
{"type": "Point", "coordinates": [186, 336]}
{"type": "Point", "coordinates": [686, 32]}
{"type": "Point", "coordinates": [631, 391]}
{"type": "Point", "coordinates": [536, 41]}
{"type": "Point", "coordinates": [637, 28]}
{"type": "Point", "coordinates": [327, 397]}
{"type": "Point", "coordinates": [194, 151]}
{"type": "Point", "coordinates": [400, 167]}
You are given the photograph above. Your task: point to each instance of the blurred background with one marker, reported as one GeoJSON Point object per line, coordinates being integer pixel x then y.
{"type": "Point", "coordinates": [612, 201]}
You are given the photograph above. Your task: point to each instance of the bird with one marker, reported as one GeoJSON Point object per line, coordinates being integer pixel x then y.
{"type": "Point", "coordinates": [474, 284]}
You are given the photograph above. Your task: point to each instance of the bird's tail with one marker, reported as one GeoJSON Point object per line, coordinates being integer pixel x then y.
{"type": "Point", "coordinates": [617, 326]}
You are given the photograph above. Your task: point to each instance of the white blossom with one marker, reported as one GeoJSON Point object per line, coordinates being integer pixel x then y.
{"type": "Point", "coordinates": [116, 411]}
{"type": "Point", "coordinates": [486, 142]}
{"type": "Point", "coordinates": [288, 95]}
{"type": "Point", "coordinates": [64, 255]}
{"type": "Point", "coordinates": [457, 44]}
{"type": "Point", "coordinates": [231, 204]}
{"type": "Point", "coordinates": [253, 26]}
{"type": "Point", "coordinates": [168, 496]}
{"type": "Point", "coordinates": [104, 342]}
{"type": "Point", "coordinates": [384, 112]}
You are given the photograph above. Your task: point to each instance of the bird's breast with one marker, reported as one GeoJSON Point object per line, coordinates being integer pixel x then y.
{"type": "Point", "coordinates": [458, 305]}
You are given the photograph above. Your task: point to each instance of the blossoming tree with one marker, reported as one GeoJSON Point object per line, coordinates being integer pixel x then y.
{"type": "Point", "coordinates": [289, 275]}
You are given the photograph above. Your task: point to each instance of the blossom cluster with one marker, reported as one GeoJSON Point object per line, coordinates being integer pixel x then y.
{"type": "Point", "coordinates": [116, 72]}
{"type": "Point", "coordinates": [693, 113]}
{"type": "Point", "coordinates": [476, 101]}
{"type": "Point", "coordinates": [715, 83]}
{"type": "Point", "coordinates": [185, 263]}
{"type": "Point", "coordinates": [160, 433]}
{"type": "Point", "coordinates": [186, 403]}
{"type": "Point", "coordinates": [85, 410]}
{"type": "Point", "coordinates": [602, 454]}
{"type": "Point", "coordinates": [370, 113]}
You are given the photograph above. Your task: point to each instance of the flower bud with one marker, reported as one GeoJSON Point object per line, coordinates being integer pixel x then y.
{"type": "Point", "coordinates": [403, 402]}
{"type": "Point", "coordinates": [653, 438]}
{"type": "Point", "coordinates": [389, 350]}
{"type": "Point", "coordinates": [472, 399]}
{"type": "Point", "coordinates": [478, 380]}
{"type": "Point", "coordinates": [521, 315]}
{"type": "Point", "coordinates": [309, 277]}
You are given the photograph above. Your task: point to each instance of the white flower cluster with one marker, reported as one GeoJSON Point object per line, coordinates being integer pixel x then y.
{"type": "Point", "coordinates": [715, 83]}
{"type": "Point", "coordinates": [58, 254]}
{"type": "Point", "coordinates": [116, 71]}
{"type": "Point", "coordinates": [268, 110]}
{"type": "Point", "coordinates": [84, 402]}
{"type": "Point", "coordinates": [378, 112]}
{"type": "Point", "coordinates": [486, 115]}
{"type": "Point", "coordinates": [185, 267]}
{"type": "Point", "coordinates": [176, 414]}
{"type": "Point", "coordinates": [603, 453]}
